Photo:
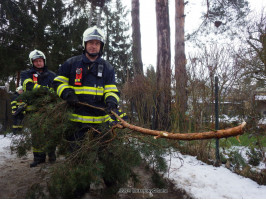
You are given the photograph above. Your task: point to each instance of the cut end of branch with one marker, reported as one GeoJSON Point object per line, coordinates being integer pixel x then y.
{"type": "Point", "coordinates": [164, 134]}
{"type": "Point", "coordinates": [243, 124]}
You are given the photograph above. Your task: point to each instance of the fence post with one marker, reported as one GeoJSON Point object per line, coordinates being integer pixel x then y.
{"type": "Point", "coordinates": [217, 153]}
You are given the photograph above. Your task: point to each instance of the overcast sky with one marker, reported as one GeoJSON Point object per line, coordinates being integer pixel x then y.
{"type": "Point", "coordinates": [148, 23]}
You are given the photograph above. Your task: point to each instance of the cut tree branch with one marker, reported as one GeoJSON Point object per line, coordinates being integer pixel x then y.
{"type": "Point", "coordinates": [223, 133]}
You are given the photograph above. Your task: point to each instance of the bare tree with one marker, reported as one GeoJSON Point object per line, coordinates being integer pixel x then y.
{"type": "Point", "coordinates": [136, 37]}
{"type": "Point", "coordinates": [202, 68]}
{"type": "Point", "coordinates": [163, 64]}
{"type": "Point", "coordinates": [252, 59]}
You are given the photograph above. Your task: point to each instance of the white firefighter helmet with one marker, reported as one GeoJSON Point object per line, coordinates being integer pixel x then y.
{"type": "Point", "coordinates": [93, 33]}
{"type": "Point", "coordinates": [36, 54]}
{"type": "Point", "coordinates": [19, 88]}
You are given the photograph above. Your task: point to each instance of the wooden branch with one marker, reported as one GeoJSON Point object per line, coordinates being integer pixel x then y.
{"type": "Point", "coordinates": [224, 133]}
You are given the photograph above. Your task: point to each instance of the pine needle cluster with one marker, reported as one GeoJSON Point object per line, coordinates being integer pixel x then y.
{"type": "Point", "coordinates": [100, 160]}
{"type": "Point", "coordinates": [103, 157]}
{"type": "Point", "coordinates": [46, 122]}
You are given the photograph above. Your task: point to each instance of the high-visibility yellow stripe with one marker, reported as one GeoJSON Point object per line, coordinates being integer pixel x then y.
{"type": "Point", "coordinates": [89, 119]}
{"type": "Point", "coordinates": [89, 90]}
{"type": "Point", "coordinates": [17, 126]}
{"type": "Point", "coordinates": [25, 83]}
{"type": "Point", "coordinates": [122, 115]}
{"type": "Point", "coordinates": [113, 95]}
{"type": "Point", "coordinates": [61, 88]}
{"type": "Point", "coordinates": [13, 102]}
{"type": "Point", "coordinates": [84, 89]}
{"type": "Point", "coordinates": [37, 150]}
{"type": "Point", "coordinates": [36, 86]}
{"type": "Point", "coordinates": [110, 88]}
{"type": "Point", "coordinates": [62, 79]}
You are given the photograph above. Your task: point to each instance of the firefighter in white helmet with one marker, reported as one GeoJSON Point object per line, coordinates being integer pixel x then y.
{"type": "Point", "coordinates": [91, 74]}
{"type": "Point", "coordinates": [38, 76]}
{"type": "Point", "coordinates": [88, 78]}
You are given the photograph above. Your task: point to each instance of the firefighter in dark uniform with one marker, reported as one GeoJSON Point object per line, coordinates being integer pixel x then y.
{"type": "Point", "coordinates": [17, 117]}
{"type": "Point", "coordinates": [36, 77]}
{"type": "Point", "coordinates": [89, 79]}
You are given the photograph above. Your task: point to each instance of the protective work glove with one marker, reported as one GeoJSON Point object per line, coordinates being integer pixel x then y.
{"type": "Point", "coordinates": [113, 121]}
{"type": "Point", "coordinates": [20, 109]}
{"type": "Point", "coordinates": [110, 107]}
{"type": "Point", "coordinates": [72, 99]}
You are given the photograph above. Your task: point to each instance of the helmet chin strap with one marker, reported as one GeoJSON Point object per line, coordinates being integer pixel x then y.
{"type": "Point", "coordinates": [93, 55]}
{"type": "Point", "coordinates": [38, 69]}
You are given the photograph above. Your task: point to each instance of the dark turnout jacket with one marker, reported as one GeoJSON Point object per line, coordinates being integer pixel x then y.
{"type": "Point", "coordinates": [92, 82]}
{"type": "Point", "coordinates": [32, 79]}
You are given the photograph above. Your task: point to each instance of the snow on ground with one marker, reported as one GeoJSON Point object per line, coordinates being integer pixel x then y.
{"type": "Point", "coordinates": [5, 152]}
{"type": "Point", "coordinates": [198, 179]}
{"type": "Point", "coordinates": [204, 181]}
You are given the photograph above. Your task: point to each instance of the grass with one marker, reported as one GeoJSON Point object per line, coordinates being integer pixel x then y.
{"type": "Point", "coordinates": [245, 140]}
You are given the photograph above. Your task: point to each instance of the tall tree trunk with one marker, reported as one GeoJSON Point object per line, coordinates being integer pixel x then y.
{"type": "Point", "coordinates": [180, 64]}
{"type": "Point", "coordinates": [163, 65]}
{"type": "Point", "coordinates": [99, 17]}
{"type": "Point", "coordinates": [136, 36]}
{"type": "Point", "coordinates": [18, 78]}
{"type": "Point", "coordinates": [90, 15]}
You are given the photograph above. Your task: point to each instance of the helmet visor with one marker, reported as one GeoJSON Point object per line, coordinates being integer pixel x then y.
{"type": "Point", "coordinates": [36, 56]}
{"type": "Point", "coordinates": [93, 37]}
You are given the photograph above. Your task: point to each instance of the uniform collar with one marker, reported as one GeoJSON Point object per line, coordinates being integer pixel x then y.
{"type": "Point", "coordinates": [86, 60]}
{"type": "Point", "coordinates": [33, 69]}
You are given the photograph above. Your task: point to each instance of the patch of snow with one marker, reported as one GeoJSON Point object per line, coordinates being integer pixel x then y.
{"type": "Point", "coordinates": [260, 97]}
{"type": "Point", "coordinates": [204, 181]}
{"type": "Point", "coordinates": [5, 151]}
{"type": "Point", "coordinates": [262, 121]}
{"type": "Point", "coordinates": [243, 152]}
{"type": "Point", "coordinates": [227, 119]}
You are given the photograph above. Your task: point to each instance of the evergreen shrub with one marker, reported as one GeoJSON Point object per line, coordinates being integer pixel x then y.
{"type": "Point", "coordinates": [107, 156]}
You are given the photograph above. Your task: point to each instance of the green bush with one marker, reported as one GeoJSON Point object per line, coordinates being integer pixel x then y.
{"type": "Point", "coordinates": [254, 156]}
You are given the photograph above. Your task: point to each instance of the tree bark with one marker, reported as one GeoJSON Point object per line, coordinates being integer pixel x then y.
{"type": "Point", "coordinates": [136, 37]}
{"type": "Point", "coordinates": [180, 64]}
{"type": "Point", "coordinates": [163, 65]}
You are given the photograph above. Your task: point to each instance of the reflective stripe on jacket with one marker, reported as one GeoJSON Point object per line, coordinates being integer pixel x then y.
{"type": "Point", "coordinates": [16, 103]}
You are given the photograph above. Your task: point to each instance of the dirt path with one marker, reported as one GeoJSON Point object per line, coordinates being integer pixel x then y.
{"type": "Point", "coordinates": [16, 177]}
{"type": "Point", "coordinates": [17, 180]}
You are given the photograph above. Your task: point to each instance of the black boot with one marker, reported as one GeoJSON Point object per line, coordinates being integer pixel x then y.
{"type": "Point", "coordinates": [52, 157]}
{"type": "Point", "coordinates": [39, 157]}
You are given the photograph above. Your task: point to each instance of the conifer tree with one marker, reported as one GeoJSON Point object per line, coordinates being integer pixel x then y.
{"type": "Point", "coordinates": [28, 25]}
{"type": "Point", "coordinates": [118, 47]}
